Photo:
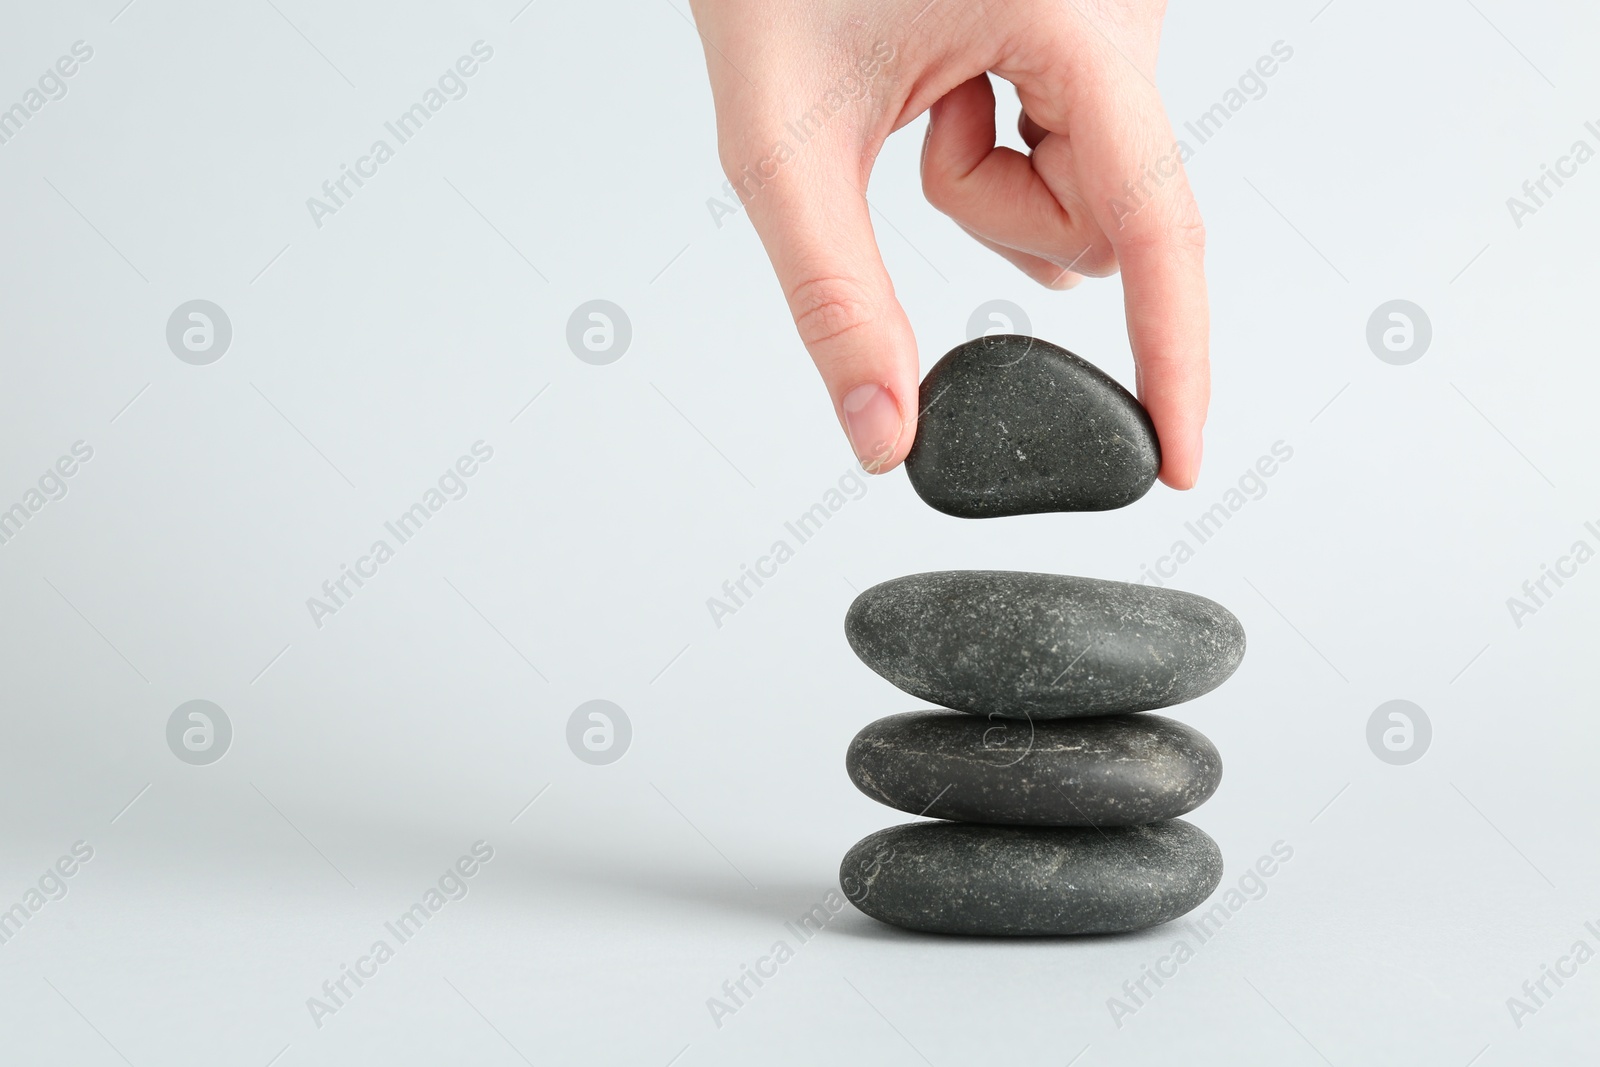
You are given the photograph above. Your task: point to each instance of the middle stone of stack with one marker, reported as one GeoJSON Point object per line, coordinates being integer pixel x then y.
{"type": "Point", "coordinates": [1062, 791]}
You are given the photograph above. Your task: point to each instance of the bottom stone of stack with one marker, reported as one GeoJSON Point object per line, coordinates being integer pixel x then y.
{"type": "Point", "coordinates": [963, 878]}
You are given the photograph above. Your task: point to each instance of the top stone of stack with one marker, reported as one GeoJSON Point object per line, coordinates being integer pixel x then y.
{"type": "Point", "coordinates": [1013, 425]}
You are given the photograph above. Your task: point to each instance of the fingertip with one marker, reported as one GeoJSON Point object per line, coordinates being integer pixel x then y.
{"type": "Point", "coordinates": [1180, 466]}
{"type": "Point", "coordinates": [1172, 478]}
{"type": "Point", "coordinates": [879, 426]}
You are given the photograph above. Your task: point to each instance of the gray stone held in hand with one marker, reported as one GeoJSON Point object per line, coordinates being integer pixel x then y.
{"type": "Point", "coordinates": [1012, 425]}
{"type": "Point", "coordinates": [1045, 646]}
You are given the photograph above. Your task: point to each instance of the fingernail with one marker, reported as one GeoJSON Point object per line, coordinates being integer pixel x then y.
{"type": "Point", "coordinates": [873, 423]}
{"type": "Point", "coordinates": [1198, 448]}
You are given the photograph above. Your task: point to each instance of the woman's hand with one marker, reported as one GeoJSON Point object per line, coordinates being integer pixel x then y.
{"type": "Point", "coordinates": [807, 92]}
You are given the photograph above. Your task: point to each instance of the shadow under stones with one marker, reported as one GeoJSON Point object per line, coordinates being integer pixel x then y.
{"type": "Point", "coordinates": [853, 922]}
{"type": "Point", "coordinates": [776, 899]}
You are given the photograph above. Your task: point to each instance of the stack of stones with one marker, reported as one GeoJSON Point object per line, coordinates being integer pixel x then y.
{"type": "Point", "coordinates": [1057, 793]}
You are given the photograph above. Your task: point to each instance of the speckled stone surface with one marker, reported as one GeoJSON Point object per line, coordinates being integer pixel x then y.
{"type": "Point", "coordinates": [1046, 646]}
{"type": "Point", "coordinates": [957, 878]}
{"type": "Point", "coordinates": [1119, 770]}
{"type": "Point", "coordinates": [1013, 425]}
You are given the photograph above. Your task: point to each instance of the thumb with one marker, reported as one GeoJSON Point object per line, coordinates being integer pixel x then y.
{"type": "Point", "coordinates": [816, 225]}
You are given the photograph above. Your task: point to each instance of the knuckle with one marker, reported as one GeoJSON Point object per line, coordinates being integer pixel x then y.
{"type": "Point", "coordinates": [734, 155]}
{"type": "Point", "coordinates": [1186, 228]}
{"type": "Point", "coordinates": [729, 156]}
{"type": "Point", "coordinates": [1180, 229]}
{"type": "Point", "coordinates": [826, 308]}
{"type": "Point", "coordinates": [745, 157]}
{"type": "Point", "coordinates": [940, 189]}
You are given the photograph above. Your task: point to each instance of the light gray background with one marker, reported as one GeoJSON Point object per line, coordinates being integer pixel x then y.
{"type": "Point", "coordinates": [370, 753]}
